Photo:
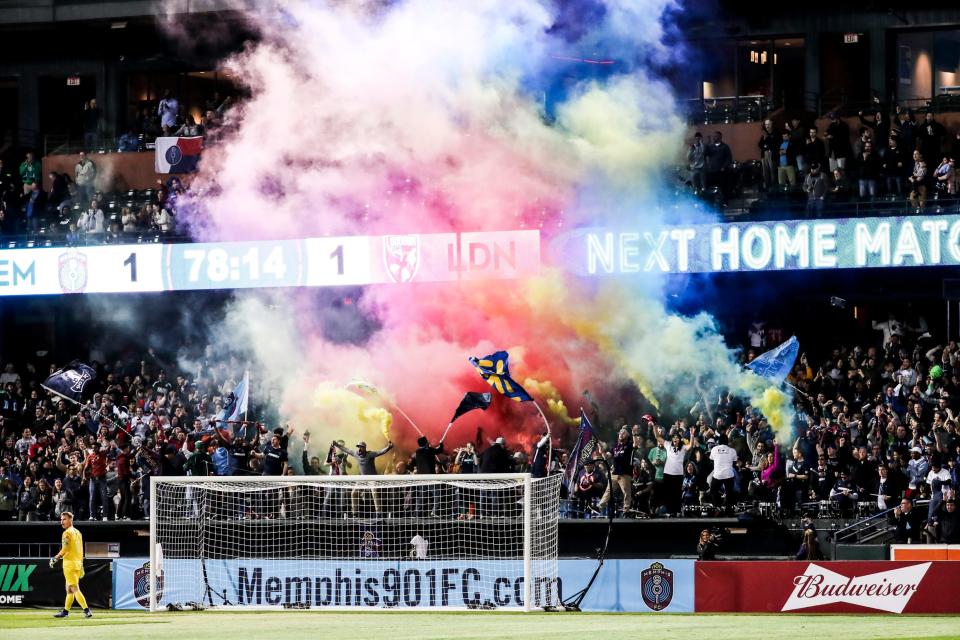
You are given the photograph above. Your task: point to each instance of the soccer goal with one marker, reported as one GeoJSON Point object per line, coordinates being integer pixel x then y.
{"type": "Point", "coordinates": [478, 541]}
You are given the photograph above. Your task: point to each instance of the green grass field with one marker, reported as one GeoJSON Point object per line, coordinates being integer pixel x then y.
{"type": "Point", "coordinates": [119, 625]}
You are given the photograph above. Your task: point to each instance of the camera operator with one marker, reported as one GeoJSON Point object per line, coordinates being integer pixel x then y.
{"type": "Point", "coordinates": [708, 546]}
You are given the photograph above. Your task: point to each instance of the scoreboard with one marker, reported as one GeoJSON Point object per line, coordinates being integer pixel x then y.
{"type": "Point", "coordinates": [310, 262]}
{"type": "Point", "coordinates": [845, 243]}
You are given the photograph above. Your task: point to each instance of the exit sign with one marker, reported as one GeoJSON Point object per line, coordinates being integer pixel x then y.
{"type": "Point", "coordinates": [73, 81]}
{"type": "Point", "coordinates": [851, 38]}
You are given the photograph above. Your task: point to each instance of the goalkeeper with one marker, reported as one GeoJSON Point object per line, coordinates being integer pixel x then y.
{"type": "Point", "coordinates": [72, 555]}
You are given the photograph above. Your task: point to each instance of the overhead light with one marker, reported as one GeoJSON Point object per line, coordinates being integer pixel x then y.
{"type": "Point", "coordinates": [120, 24]}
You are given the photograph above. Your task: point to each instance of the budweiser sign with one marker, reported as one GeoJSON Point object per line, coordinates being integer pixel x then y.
{"type": "Point", "coordinates": [885, 590]}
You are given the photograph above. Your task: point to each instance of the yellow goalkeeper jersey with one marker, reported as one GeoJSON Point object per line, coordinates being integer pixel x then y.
{"type": "Point", "coordinates": [73, 545]}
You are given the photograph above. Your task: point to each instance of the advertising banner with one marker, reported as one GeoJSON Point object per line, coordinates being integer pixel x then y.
{"type": "Point", "coordinates": [622, 585]}
{"type": "Point", "coordinates": [32, 583]}
{"type": "Point", "coordinates": [828, 587]}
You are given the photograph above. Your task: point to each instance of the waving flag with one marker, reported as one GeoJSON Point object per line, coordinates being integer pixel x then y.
{"type": "Point", "coordinates": [582, 449]}
{"type": "Point", "coordinates": [472, 400]}
{"type": "Point", "coordinates": [776, 363]}
{"type": "Point", "coordinates": [70, 381]}
{"type": "Point", "coordinates": [236, 403]}
{"type": "Point", "coordinates": [494, 370]}
{"type": "Point", "coordinates": [177, 155]}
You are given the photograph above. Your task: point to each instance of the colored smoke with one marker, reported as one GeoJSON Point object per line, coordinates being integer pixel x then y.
{"type": "Point", "coordinates": [429, 115]}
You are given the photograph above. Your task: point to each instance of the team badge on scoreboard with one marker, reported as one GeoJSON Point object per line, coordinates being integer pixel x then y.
{"type": "Point", "coordinates": [141, 585]}
{"type": "Point", "coordinates": [656, 586]}
{"type": "Point", "coordinates": [73, 272]}
{"type": "Point", "coordinates": [401, 256]}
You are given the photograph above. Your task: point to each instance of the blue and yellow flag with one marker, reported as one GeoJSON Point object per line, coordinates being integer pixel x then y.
{"type": "Point", "coordinates": [493, 369]}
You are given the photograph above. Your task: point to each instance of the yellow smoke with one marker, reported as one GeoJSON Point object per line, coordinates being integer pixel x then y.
{"type": "Point", "coordinates": [776, 407]}
{"type": "Point", "coordinates": [555, 407]}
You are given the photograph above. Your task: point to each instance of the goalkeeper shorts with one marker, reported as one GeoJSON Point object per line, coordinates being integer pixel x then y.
{"type": "Point", "coordinates": [72, 572]}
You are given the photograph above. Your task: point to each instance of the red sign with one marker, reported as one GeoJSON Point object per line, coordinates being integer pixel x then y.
{"type": "Point", "coordinates": [828, 587]}
{"type": "Point", "coordinates": [73, 81]}
{"type": "Point", "coordinates": [851, 38]}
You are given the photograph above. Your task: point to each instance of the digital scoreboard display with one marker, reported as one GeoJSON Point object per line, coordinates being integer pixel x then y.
{"type": "Point", "coordinates": [310, 262]}
{"type": "Point", "coordinates": [853, 243]}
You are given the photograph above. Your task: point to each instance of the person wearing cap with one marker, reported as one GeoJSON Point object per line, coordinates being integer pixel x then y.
{"type": "Point", "coordinates": [917, 469]}
{"type": "Point", "coordinates": [844, 493]}
{"type": "Point", "coordinates": [367, 462]}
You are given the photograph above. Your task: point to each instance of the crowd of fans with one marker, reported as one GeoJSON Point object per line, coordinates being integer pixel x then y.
{"type": "Point", "coordinates": [876, 431]}
{"type": "Point", "coordinates": [73, 211]}
{"type": "Point", "coordinates": [905, 156]}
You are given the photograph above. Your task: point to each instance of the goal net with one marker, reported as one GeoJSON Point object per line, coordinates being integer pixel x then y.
{"type": "Point", "coordinates": [478, 541]}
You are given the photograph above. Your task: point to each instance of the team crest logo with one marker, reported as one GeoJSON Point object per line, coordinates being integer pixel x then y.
{"type": "Point", "coordinates": [656, 586]}
{"type": "Point", "coordinates": [73, 272]}
{"type": "Point", "coordinates": [76, 379]}
{"type": "Point", "coordinates": [401, 256]}
{"type": "Point", "coordinates": [173, 154]}
{"type": "Point", "coordinates": [141, 585]}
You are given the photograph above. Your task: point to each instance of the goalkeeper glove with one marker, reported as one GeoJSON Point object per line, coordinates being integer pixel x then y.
{"type": "Point", "coordinates": [53, 561]}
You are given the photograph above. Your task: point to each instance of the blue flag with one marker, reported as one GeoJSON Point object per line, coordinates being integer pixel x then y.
{"type": "Point", "coordinates": [495, 371]}
{"type": "Point", "coordinates": [776, 363]}
{"type": "Point", "coordinates": [69, 381]}
{"type": "Point", "coordinates": [582, 450]}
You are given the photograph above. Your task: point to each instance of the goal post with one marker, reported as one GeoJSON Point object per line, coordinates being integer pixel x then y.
{"type": "Point", "coordinates": [470, 541]}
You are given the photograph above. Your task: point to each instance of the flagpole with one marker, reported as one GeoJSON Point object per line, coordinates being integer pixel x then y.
{"type": "Point", "coordinates": [445, 431]}
{"type": "Point", "coordinates": [405, 416]}
{"type": "Point", "coordinates": [90, 408]}
{"type": "Point", "coordinates": [549, 434]}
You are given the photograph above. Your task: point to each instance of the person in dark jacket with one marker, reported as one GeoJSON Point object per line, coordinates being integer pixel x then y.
{"type": "Point", "coordinates": [879, 126]}
{"type": "Point", "coordinates": [425, 462]}
{"type": "Point", "coordinates": [838, 141]}
{"type": "Point", "coordinates": [908, 522]}
{"type": "Point", "coordinates": [768, 144]}
{"type": "Point", "coordinates": [893, 167]}
{"type": "Point", "coordinates": [719, 164]}
{"type": "Point", "coordinates": [495, 459]}
{"type": "Point", "coordinates": [868, 166]}
{"type": "Point", "coordinates": [814, 151]}
{"type": "Point", "coordinates": [947, 523]}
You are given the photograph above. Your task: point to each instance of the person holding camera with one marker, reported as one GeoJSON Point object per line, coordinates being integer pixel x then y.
{"type": "Point", "coordinates": [708, 546]}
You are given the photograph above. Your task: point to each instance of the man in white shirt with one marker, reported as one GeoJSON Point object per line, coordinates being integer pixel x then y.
{"type": "Point", "coordinates": [724, 458]}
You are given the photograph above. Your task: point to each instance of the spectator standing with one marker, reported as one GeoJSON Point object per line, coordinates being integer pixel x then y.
{"type": "Point", "coordinates": [719, 164]}
{"type": "Point", "coordinates": [62, 498]}
{"type": "Point", "coordinates": [869, 167]}
{"type": "Point", "coordinates": [128, 219]}
{"type": "Point", "coordinates": [908, 523]}
{"type": "Point", "coordinates": [918, 180]}
{"type": "Point", "coordinates": [621, 474]}
{"type": "Point", "coordinates": [92, 124]}
{"type": "Point", "coordinates": [930, 137]}
{"type": "Point", "coordinates": [95, 467]}
{"type": "Point", "coordinates": [893, 167]}
{"type": "Point", "coordinates": [129, 141]}
{"type": "Point", "coordinates": [30, 171]}
{"type": "Point", "coordinates": [945, 178]}
{"type": "Point", "coordinates": [27, 501]}
{"type": "Point", "coordinates": [798, 139]}
{"type": "Point", "coordinates": [697, 160]}
{"type": "Point", "coordinates": [787, 161]}
{"type": "Point", "coordinates": [768, 144]}
{"type": "Point", "coordinates": [34, 207]}
{"type": "Point", "coordinates": [85, 175]}
{"type": "Point", "coordinates": [814, 151]}
{"type": "Point", "coordinates": [167, 109]}
{"type": "Point", "coordinates": [815, 186]}
{"type": "Point", "coordinates": [878, 126]}
{"type": "Point", "coordinates": [838, 142]}
{"type": "Point", "coordinates": [90, 223]}
{"type": "Point", "coordinates": [366, 460]}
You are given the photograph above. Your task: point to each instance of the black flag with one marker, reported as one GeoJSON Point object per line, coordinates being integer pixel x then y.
{"type": "Point", "coordinates": [472, 400]}
{"type": "Point", "coordinates": [70, 380]}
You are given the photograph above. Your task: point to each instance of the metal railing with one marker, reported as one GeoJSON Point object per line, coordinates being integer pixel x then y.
{"type": "Point", "coordinates": [27, 550]}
